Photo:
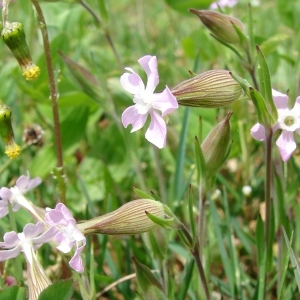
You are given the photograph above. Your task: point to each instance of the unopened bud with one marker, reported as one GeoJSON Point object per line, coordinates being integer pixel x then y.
{"type": "Point", "coordinates": [211, 89]}
{"type": "Point", "coordinates": [220, 25]}
{"type": "Point", "coordinates": [12, 150]}
{"type": "Point", "coordinates": [216, 146]}
{"type": "Point", "coordinates": [130, 218]}
{"type": "Point", "coordinates": [14, 37]}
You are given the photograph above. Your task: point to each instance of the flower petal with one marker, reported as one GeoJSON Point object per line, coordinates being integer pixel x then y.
{"type": "Point", "coordinates": [132, 82]}
{"type": "Point", "coordinates": [296, 107]}
{"type": "Point", "coordinates": [76, 261]}
{"type": "Point", "coordinates": [165, 102]}
{"type": "Point", "coordinates": [46, 236]}
{"type": "Point", "coordinates": [23, 181]}
{"type": "Point", "coordinates": [149, 64]}
{"type": "Point", "coordinates": [157, 131]}
{"type": "Point", "coordinates": [131, 116]}
{"type": "Point", "coordinates": [10, 239]}
{"type": "Point", "coordinates": [258, 132]}
{"type": "Point", "coordinates": [33, 183]}
{"type": "Point", "coordinates": [33, 230]}
{"type": "Point", "coordinates": [6, 193]}
{"type": "Point", "coordinates": [280, 100]}
{"type": "Point", "coordinates": [286, 144]}
{"type": "Point", "coordinates": [11, 253]}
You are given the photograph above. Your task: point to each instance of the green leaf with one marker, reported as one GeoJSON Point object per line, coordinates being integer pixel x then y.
{"type": "Point", "coordinates": [183, 6]}
{"type": "Point", "coordinates": [187, 278]}
{"type": "Point", "coordinates": [73, 128]}
{"type": "Point", "coordinates": [265, 82]}
{"type": "Point", "coordinates": [293, 259]}
{"type": "Point", "coordinates": [151, 288]}
{"type": "Point", "coordinates": [62, 288]}
{"type": "Point", "coordinates": [142, 194]}
{"type": "Point", "coordinates": [13, 292]}
{"type": "Point", "coordinates": [263, 114]}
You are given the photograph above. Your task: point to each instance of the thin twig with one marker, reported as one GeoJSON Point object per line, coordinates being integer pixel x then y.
{"type": "Point", "coordinates": [53, 91]}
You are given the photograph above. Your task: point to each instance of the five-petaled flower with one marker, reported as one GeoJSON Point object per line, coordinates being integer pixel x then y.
{"type": "Point", "coordinates": [14, 195]}
{"type": "Point", "coordinates": [32, 237]}
{"type": "Point", "coordinates": [148, 102]}
{"type": "Point", "coordinates": [68, 234]}
{"type": "Point", "coordinates": [288, 121]}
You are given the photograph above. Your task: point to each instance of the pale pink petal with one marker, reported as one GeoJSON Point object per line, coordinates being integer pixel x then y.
{"type": "Point", "coordinates": [54, 217]}
{"type": "Point", "coordinates": [157, 131]}
{"type": "Point", "coordinates": [23, 181]}
{"type": "Point", "coordinates": [10, 239]}
{"type": "Point", "coordinates": [165, 102]}
{"type": "Point", "coordinates": [11, 253]}
{"type": "Point", "coordinates": [6, 193]}
{"type": "Point", "coordinates": [286, 144]}
{"type": "Point", "coordinates": [131, 116]}
{"type": "Point", "coordinates": [149, 64]}
{"type": "Point", "coordinates": [33, 230]}
{"type": "Point", "coordinates": [296, 107]}
{"type": "Point", "coordinates": [76, 261]}
{"type": "Point", "coordinates": [34, 183]}
{"type": "Point", "coordinates": [132, 82]}
{"type": "Point", "coordinates": [280, 100]}
{"type": "Point", "coordinates": [46, 236]}
{"type": "Point", "coordinates": [258, 132]}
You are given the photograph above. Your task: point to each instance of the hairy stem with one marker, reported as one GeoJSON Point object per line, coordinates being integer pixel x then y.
{"type": "Point", "coordinates": [53, 91]}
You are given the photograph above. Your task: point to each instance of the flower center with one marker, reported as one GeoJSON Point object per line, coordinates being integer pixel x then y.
{"type": "Point", "coordinates": [289, 121]}
{"type": "Point", "coordinates": [143, 102]}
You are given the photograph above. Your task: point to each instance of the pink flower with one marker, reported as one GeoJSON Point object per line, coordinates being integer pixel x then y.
{"type": "Point", "coordinates": [32, 237]}
{"type": "Point", "coordinates": [68, 234]}
{"type": "Point", "coordinates": [288, 121]}
{"type": "Point", "coordinates": [146, 102]}
{"type": "Point", "coordinates": [14, 195]}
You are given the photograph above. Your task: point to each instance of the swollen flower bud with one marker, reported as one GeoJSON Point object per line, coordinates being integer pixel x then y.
{"type": "Point", "coordinates": [130, 218]}
{"type": "Point", "coordinates": [216, 146]}
{"type": "Point", "coordinates": [220, 25]}
{"type": "Point", "coordinates": [12, 150]}
{"type": "Point", "coordinates": [14, 37]}
{"type": "Point", "coordinates": [214, 89]}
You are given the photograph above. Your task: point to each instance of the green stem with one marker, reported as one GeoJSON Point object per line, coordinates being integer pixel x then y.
{"type": "Point", "coordinates": [159, 174]}
{"type": "Point", "coordinates": [268, 199]}
{"type": "Point", "coordinates": [53, 92]}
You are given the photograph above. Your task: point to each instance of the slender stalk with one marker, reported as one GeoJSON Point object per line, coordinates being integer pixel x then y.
{"type": "Point", "coordinates": [268, 183]}
{"type": "Point", "coordinates": [202, 201]}
{"type": "Point", "coordinates": [196, 254]}
{"type": "Point", "coordinates": [268, 200]}
{"type": "Point", "coordinates": [159, 174]}
{"type": "Point", "coordinates": [53, 92]}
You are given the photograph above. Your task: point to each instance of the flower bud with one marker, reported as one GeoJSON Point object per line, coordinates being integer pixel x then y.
{"type": "Point", "coordinates": [14, 37]}
{"type": "Point", "coordinates": [12, 150]}
{"type": "Point", "coordinates": [220, 25]}
{"type": "Point", "coordinates": [216, 146]}
{"type": "Point", "coordinates": [130, 218]}
{"type": "Point", "coordinates": [211, 89]}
